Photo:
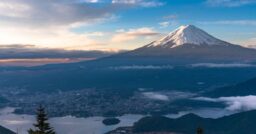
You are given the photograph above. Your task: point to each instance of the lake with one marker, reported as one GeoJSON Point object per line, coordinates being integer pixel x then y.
{"type": "Point", "coordinates": [91, 125]}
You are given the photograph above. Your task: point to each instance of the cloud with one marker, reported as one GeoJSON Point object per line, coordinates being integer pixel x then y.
{"type": "Point", "coordinates": [250, 43]}
{"type": "Point", "coordinates": [250, 46]}
{"type": "Point", "coordinates": [164, 24]}
{"type": "Point", "coordinates": [168, 95]}
{"type": "Point", "coordinates": [18, 51]}
{"type": "Point", "coordinates": [137, 67]}
{"type": "Point", "coordinates": [231, 22]}
{"type": "Point", "coordinates": [31, 55]}
{"type": "Point", "coordinates": [169, 20]}
{"type": "Point", "coordinates": [57, 37]}
{"type": "Point", "coordinates": [48, 23]}
{"type": "Point", "coordinates": [238, 103]}
{"type": "Point", "coordinates": [132, 34]}
{"type": "Point", "coordinates": [53, 23]}
{"type": "Point", "coordinates": [167, 24]}
{"type": "Point", "coordinates": [230, 3]}
{"type": "Point", "coordinates": [143, 3]}
{"type": "Point", "coordinates": [64, 12]}
{"type": "Point", "coordinates": [156, 96]}
{"type": "Point", "coordinates": [172, 16]}
{"type": "Point", "coordinates": [97, 34]}
{"type": "Point", "coordinates": [92, 1]}
{"type": "Point", "coordinates": [52, 12]}
{"type": "Point", "coordinates": [214, 65]}
{"type": "Point", "coordinates": [15, 46]}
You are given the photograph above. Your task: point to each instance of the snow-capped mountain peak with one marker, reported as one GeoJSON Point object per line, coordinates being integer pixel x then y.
{"type": "Point", "coordinates": [188, 34]}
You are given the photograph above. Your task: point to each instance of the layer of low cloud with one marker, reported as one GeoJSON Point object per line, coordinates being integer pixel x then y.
{"type": "Point", "coordinates": [18, 51]}
{"type": "Point", "coordinates": [237, 103]}
{"type": "Point", "coordinates": [140, 67]}
{"type": "Point", "coordinates": [215, 65]}
{"type": "Point", "coordinates": [167, 95]}
{"type": "Point", "coordinates": [156, 96]}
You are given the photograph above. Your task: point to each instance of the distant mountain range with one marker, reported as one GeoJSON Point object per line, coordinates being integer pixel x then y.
{"type": "Point", "coordinates": [241, 123]}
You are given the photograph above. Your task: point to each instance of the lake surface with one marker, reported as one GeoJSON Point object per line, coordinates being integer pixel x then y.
{"type": "Point", "coordinates": [91, 125]}
{"type": "Point", "coordinates": [63, 125]}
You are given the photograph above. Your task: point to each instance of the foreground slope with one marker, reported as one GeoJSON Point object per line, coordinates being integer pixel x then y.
{"type": "Point", "coordinates": [5, 131]}
{"type": "Point", "coordinates": [241, 123]}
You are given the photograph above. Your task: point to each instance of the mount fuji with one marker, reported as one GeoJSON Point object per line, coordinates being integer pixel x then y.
{"type": "Point", "coordinates": [189, 44]}
{"type": "Point", "coordinates": [173, 59]}
{"type": "Point", "coordinates": [187, 35]}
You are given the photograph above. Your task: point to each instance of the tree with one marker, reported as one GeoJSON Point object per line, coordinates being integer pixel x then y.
{"type": "Point", "coordinates": [200, 130]}
{"type": "Point", "coordinates": [41, 126]}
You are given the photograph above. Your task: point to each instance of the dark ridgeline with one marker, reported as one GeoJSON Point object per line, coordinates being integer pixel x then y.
{"type": "Point", "coordinates": [41, 126]}
{"type": "Point", "coordinates": [240, 123]}
{"type": "Point", "coordinates": [5, 131]}
{"type": "Point", "coordinates": [241, 89]}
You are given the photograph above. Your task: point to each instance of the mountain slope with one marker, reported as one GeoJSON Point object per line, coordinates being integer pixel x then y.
{"type": "Point", "coordinates": [189, 44]}
{"type": "Point", "coordinates": [241, 123]}
{"type": "Point", "coordinates": [240, 89]}
{"type": "Point", "coordinates": [5, 131]}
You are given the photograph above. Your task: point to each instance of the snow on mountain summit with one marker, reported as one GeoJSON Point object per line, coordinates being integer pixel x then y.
{"type": "Point", "coordinates": [187, 35]}
{"type": "Point", "coordinates": [189, 45]}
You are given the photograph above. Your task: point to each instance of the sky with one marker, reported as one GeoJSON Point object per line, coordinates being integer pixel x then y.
{"type": "Point", "coordinates": [114, 25]}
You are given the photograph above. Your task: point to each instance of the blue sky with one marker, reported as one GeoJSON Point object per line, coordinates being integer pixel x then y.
{"type": "Point", "coordinates": [121, 24]}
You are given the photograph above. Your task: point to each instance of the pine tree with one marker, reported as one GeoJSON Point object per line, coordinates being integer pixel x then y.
{"type": "Point", "coordinates": [41, 126]}
{"type": "Point", "coordinates": [199, 130]}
